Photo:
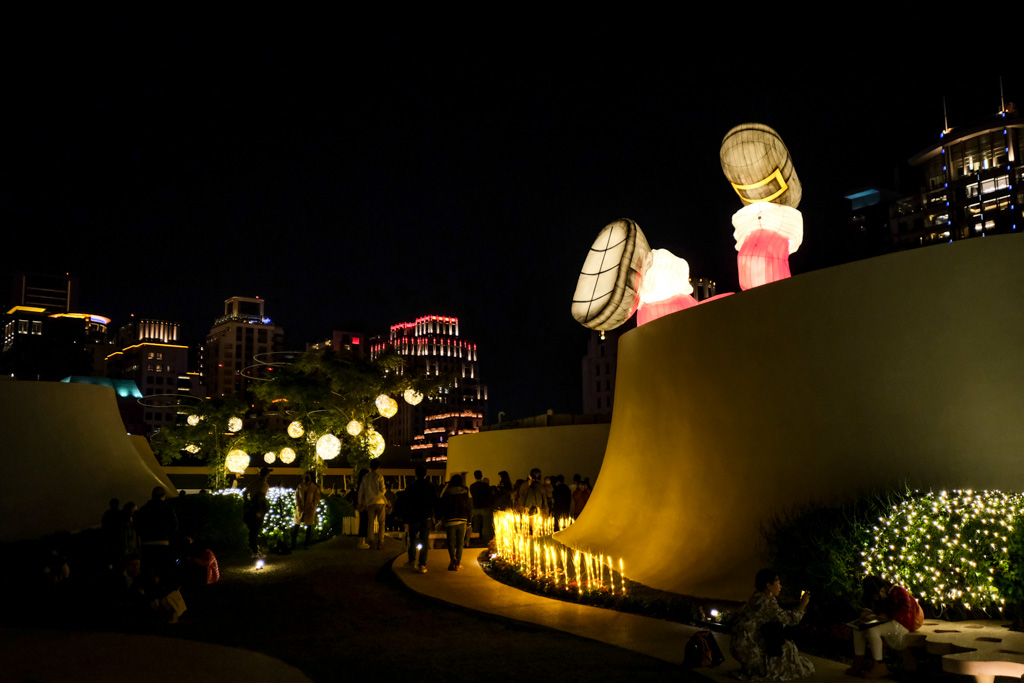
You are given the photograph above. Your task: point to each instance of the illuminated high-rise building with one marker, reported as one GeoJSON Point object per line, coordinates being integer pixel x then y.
{"type": "Point", "coordinates": [973, 184]}
{"type": "Point", "coordinates": [235, 342]}
{"type": "Point", "coordinates": [432, 346]}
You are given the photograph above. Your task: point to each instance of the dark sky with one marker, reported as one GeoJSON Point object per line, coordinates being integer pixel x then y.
{"type": "Point", "coordinates": [357, 174]}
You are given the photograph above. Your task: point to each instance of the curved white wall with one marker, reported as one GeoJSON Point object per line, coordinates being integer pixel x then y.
{"type": "Point", "coordinates": [908, 367]}
{"type": "Point", "coordinates": [65, 454]}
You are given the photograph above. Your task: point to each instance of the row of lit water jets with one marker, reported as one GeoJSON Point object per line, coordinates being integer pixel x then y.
{"type": "Point", "coordinates": [525, 541]}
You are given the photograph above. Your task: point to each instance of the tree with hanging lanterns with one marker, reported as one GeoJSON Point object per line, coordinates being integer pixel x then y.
{"type": "Point", "coordinates": [332, 401]}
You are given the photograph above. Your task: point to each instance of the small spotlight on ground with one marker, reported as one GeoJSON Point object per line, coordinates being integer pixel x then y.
{"type": "Point", "coordinates": [259, 564]}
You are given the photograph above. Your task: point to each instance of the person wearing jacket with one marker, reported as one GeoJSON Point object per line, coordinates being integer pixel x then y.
{"type": "Point", "coordinates": [899, 613]}
{"type": "Point", "coordinates": [373, 500]}
{"type": "Point", "coordinates": [416, 506]}
{"type": "Point", "coordinates": [455, 511]}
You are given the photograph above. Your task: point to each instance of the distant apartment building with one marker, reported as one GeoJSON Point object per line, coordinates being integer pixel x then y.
{"type": "Point", "coordinates": [340, 341]}
{"type": "Point", "coordinates": [432, 346]}
{"type": "Point", "coordinates": [234, 346]}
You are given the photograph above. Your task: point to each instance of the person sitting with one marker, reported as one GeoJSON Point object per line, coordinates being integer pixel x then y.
{"type": "Point", "coordinates": [758, 640]}
{"type": "Point", "coordinates": [891, 613]}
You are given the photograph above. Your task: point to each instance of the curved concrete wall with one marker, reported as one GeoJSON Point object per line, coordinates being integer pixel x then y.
{"type": "Point", "coordinates": [907, 367]}
{"type": "Point", "coordinates": [65, 454]}
{"type": "Point", "coordinates": [568, 450]}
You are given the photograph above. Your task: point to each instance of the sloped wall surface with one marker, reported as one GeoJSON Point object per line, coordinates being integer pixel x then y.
{"type": "Point", "coordinates": [904, 368]}
{"type": "Point", "coordinates": [65, 454]}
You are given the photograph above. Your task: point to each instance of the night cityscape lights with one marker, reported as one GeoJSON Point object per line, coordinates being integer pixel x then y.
{"type": "Point", "coordinates": [946, 547]}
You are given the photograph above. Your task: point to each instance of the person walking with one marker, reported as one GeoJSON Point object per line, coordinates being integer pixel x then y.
{"type": "Point", "coordinates": [307, 498]}
{"type": "Point", "coordinates": [255, 507]}
{"type": "Point", "coordinates": [455, 510]}
{"type": "Point", "coordinates": [417, 508]}
{"type": "Point", "coordinates": [372, 498]}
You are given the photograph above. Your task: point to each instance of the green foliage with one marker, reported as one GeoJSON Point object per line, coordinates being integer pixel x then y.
{"type": "Point", "coordinates": [947, 547]}
{"type": "Point", "coordinates": [818, 549]}
{"type": "Point", "coordinates": [337, 509]}
{"type": "Point", "coordinates": [211, 520]}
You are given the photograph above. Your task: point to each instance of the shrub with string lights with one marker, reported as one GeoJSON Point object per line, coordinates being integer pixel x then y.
{"type": "Point", "coordinates": [947, 548]}
{"type": "Point", "coordinates": [281, 513]}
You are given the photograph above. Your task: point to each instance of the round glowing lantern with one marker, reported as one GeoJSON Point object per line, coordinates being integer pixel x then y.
{"type": "Point", "coordinates": [287, 456]}
{"type": "Point", "coordinates": [386, 405]}
{"type": "Point", "coordinates": [295, 429]}
{"type": "Point", "coordinates": [192, 420]}
{"type": "Point", "coordinates": [237, 461]}
{"type": "Point", "coordinates": [412, 397]}
{"type": "Point", "coordinates": [374, 443]}
{"type": "Point", "coordinates": [269, 457]}
{"type": "Point", "coordinates": [328, 446]}
{"type": "Point", "coordinates": [354, 427]}
{"type": "Point", "coordinates": [235, 424]}
{"type": "Point", "coordinates": [192, 448]}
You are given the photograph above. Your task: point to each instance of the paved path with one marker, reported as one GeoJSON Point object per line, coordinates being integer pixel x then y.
{"type": "Point", "coordinates": [473, 589]}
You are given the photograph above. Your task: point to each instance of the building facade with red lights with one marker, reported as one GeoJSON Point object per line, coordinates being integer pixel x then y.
{"type": "Point", "coordinates": [432, 346]}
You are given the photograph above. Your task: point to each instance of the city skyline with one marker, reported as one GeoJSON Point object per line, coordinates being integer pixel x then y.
{"type": "Point", "coordinates": [351, 184]}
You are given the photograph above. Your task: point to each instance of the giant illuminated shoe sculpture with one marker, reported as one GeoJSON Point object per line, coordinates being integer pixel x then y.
{"type": "Point", "coordinates": [769, 228]}
{"type": "Point", "coordinates": [623, 275]}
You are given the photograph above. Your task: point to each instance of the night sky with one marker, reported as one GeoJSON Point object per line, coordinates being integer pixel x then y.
{"type": "Point", "coordinates": [356, 174]}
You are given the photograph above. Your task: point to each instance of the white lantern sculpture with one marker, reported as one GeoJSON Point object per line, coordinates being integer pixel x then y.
{"type": "Point", "coordinates": [328, 446]}
{"type": "Point", "coordinates": [269, 457]}
{"type": "Point", "coordinates": [412, 397]}
{"type": "Point", "coordinates": [386, 405]}
{"type": "Point", "coordinates": [374, 443]}
{"type": "Point", "coordinates": [287, 456]}
{"type": "Point", "coordinates": [354, 428]}
{"type": "Point", "coordinates": [295, 429]}
{"type": "Point", "coordinates": [192, 420]}
{"type": "Point", "coordinates": [235, 424]}
{"type": "Point", "coordinates": [606, 291]}
{"type": "Point", "coordinates": [237, 461]}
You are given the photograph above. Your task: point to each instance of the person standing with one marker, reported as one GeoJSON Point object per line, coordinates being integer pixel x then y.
{"type": "Point", "coordinates": [373, 499]}
{"type": "Point", "coordinates": [532, 496]}
{"type": "Point", "coordinates": [562, 501]}
{"type": "Point", "coordinates": [255, 507]}
{"type": "Point", "coordinates": [417, 507]}
{"type": "Point", "coordinates": [157, 526]}
{"type": "Point", "coordinates": [483, 507]}
{"type": "Point", "coordinates": [455, 510]}
{"type": "Point", "coordinates": [307, 498]}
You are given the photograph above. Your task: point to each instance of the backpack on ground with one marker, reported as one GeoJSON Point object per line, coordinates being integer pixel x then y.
{"type": "Point", "coordinates": [702, 651]}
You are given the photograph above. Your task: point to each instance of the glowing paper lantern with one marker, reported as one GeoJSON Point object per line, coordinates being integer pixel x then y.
{"type": "Point", "coordinates": [759, 167]}
{"type": "Point", "coordinates": [192, 420]}
{"type": "Point", "coordinates": [287, 456]}
{"type": "Point", "coordinates": [295, 429]}
{"type": "Point", "coordinates": [606, 292]}
{"type": "Point", "coordinates": [235, 424]}
{"type": "Point", "coordinates": [412, 397]}
{"type": "Point", "coordinates": [374, 443]}
{"type": "Point", "coordinates": [766, 234]}
{"type": "Point", "coordinates": [192, 448]}
{"type": "Point", "coordinates": [269, 457]}
{"type": "Point", "coordinates": [328, 446]}
{"type": "Point", "coordinates": [665, 287]}
{"type": "Point", "coordinates": [354, 427]}
{"type": "Point", "coordinates": [386, 405]}
{"type": "Point", "coordinates": [237, 461]}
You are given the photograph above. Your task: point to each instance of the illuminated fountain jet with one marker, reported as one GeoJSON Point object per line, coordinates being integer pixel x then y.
{"type": "Point", "coordinates": [769, 227]}
{"type": "Point", "coordinates": [622, 275]}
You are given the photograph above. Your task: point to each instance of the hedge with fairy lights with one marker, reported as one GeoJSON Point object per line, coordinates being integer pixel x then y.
{"type": "Point", "coordinates": [952, 549]}
{"type": "Point", "coordinates": [281, 514]}
{"type": "Point", "coordinates": [961, 553]}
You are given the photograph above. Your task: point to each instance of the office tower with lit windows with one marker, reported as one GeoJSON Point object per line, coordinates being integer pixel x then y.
{"type": "Point", "coordinates": [973, 184]}
{"type": "Point", "coordinates": [432, 346]}
{"type": "Point", "coordinates": [150, 354]}
{"type": "Point", "coordinates": [235, 342]}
